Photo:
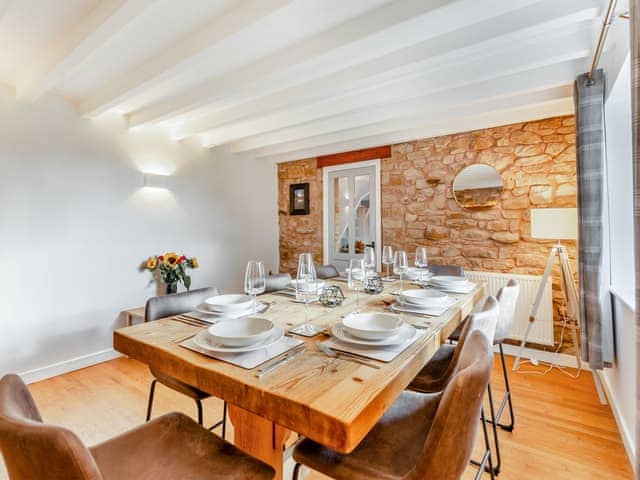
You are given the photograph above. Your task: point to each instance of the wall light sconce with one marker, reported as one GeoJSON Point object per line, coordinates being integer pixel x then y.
{"type": "Point", "coordinates": [152, 180]}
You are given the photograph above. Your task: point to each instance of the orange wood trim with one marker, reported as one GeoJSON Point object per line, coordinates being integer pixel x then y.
{"type": "Point", "coordinates": [354, 156]}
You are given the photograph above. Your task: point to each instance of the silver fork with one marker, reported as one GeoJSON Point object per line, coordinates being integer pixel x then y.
{"type": "Point", "coordinates": [329, 352]}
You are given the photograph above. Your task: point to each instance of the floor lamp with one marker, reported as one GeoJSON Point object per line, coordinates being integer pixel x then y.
{"type": "Point", "coordinates": [556, 224]}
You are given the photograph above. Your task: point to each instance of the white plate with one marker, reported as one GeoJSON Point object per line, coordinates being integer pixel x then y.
{"type": "Point", "coordinates": [229, 303]}
{"type": "Point", "coordinates": [448, 280]}
{"type": "Point", "coordinates": [203, 340]}
{"type": "Point", "coordinates": [432, 310]}
{"type": "Point", "coordinates": [423, 297]}
{"type": "Point", "coordinates": [372, 326]}
{"type": "Point", "coordinates": [406, 333]}
{"type": "Point", "coordinates": [204, 308]}
{"type": "Point", "coordinates": [312, 287]}
{"type": "Point", "coordinates": [241, 332]}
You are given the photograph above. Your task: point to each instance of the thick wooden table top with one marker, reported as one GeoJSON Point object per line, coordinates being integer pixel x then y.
{"type": "Point", "coordinates": [330, 400]}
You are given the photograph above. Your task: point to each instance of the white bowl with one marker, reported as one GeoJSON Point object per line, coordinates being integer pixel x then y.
{"type": "Point", "coordinates": [240, 332]}
{"type": "Point", "coordinates": [448, 280]}
{"type": "Point", "coordinates": [423, 297]}
{"type": "Point", "coordinates": [372, 326]}
{"type": "Point", "coordinates": [311, 287]}
{"type": "Point", "coordinates": [229, 303]}
{"type": "Point", "coordinates": [414, 273]}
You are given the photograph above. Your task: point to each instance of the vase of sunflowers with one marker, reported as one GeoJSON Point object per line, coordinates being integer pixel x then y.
{"type": "Point", "coordinates": [172, 269]}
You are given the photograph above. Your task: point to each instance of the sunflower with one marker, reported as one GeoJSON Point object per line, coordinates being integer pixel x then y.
{"type": "Point", "coordinates": [171, 259]}
{"type": "Point", "coordinates": [152, 263]}
{"type": "Point", "coordinates": [194, 262]}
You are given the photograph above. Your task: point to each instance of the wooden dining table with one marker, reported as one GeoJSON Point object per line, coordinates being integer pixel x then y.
{"type": "Point", "coordinates": [333, 400]}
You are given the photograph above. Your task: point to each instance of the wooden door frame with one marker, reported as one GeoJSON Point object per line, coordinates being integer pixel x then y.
{"type": "Point", "coordinates": [325, 205]}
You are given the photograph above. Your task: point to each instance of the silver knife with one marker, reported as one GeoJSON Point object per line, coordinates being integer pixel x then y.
{"type": "Point", "coordinates": [270, 368]}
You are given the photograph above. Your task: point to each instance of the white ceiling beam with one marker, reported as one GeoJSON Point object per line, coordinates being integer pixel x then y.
{"type": "Point", "coordinates": [520, 26]}
{"type": "Point", "coordinates": [472, 71]}
{"type": "Point", "coordinates": [283, 68]}
{"type": "Point", "coordinates": [410, 123]}
{"type": "Point", "coordinates": [185, 52]}
{"type": "Point", "coordinates": [76, 45]}
{"type": "Point", "coordinates": [463, 123]}
{"type": "Point", "coordinates": [506, 86]}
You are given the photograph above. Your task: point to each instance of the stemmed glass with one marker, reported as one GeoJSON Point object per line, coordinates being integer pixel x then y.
{"type": "Point", "coordinates": [400, 265]}
{"type": "Point", "coordinates": [387, 259]}
{"type": "Point", "coordinates": [356, 278]}
{"type": "Point", "coordinates": [305, 280]}
{"type": "Point", "coordinates": [369, 259]}
{"type": "Point", "coordinates": [254, 281]}
{"type": "Point", "coordinates": [421, 261]}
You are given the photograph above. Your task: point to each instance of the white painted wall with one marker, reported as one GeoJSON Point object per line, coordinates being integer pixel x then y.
{"type": "Point", "coordinates": [620, 381]}
{"type": "Point", "coordinates": [75, 223]}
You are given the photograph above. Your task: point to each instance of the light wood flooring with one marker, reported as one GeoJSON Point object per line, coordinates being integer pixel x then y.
{"type": "Point", "coordinates": [562, 431]}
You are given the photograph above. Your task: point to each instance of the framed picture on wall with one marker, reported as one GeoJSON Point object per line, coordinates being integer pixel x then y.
{"type": "Point", "coordinates": [299, 199]}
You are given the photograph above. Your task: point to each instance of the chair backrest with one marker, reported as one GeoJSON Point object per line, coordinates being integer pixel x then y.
{"type": "Point", "coordinates": [486, 320]}
{"type": "Point", "coordinates": [34, 450]}
{"type": "Point", "coordinates": [174, 304]}
{"type": "Point", "coordinates": [327, 271]}
{"type": "Point", "coordinates": [507, 299]}
{"type": "Point", "coordinates": [277, 282]}
{"type": "Point", "coordinates": [453, 270]}
{"type": "Point", "coordinates": [449, 443]}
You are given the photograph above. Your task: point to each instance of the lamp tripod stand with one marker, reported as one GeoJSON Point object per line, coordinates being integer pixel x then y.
{"type": "Point", "coordinates": [570, 294]}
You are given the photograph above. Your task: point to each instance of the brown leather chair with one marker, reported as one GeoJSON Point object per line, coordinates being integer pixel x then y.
{"type": "Point", "coordinates": [166, 306]}
{"type": "Point", "coordinates": [170, 447]}
{"type": "Point", "coordinates": [276, 282]}
{"type": "Point", "coordinates": [421, 436]}
{"type": "Point", "coordinates": [327, 271]}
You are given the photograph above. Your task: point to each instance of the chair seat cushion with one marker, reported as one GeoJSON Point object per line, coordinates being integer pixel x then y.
{"type": "Point", "coordinates": [174, 447]}
{"type": "Point", "coordinates": [429, 379]}
{"type": "Point", "coordinates": [178, 385]}
{"type": "Point", "coordinates": [388, 451]}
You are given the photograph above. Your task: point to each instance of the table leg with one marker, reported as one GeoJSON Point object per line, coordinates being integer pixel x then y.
{"type": "Point", "coordinates": [259, 437]}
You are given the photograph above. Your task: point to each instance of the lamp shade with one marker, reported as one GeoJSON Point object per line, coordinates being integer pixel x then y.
{"type": "Point", "coordinates": [554, 223]}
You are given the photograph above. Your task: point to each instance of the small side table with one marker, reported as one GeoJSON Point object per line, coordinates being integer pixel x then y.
{"type": "Point", "coordinates": [133, 313]}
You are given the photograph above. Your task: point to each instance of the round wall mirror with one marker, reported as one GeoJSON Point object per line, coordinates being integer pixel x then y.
{"type": "Point", "coordinates": [477, 186]}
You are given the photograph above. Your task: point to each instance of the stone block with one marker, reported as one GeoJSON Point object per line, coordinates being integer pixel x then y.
{"type": "Point", "coordinates": [505, 237]}
{"type": "Point", "coordinates": [541, 195]}
{"type": "Point", "coordinates": [525, 138]}
{"type": "Point", "coordinates": [529, 150]}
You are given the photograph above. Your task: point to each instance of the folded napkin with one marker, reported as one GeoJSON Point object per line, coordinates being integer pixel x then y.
{"type": "Point", "coordinates": [248, 360]}
{"type": "Point", "coordinates": [383, 353]}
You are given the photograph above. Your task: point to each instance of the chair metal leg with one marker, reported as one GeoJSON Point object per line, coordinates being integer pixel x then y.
{"type": "Point", "coordinates": [199, 405]}
{"type": "Point", "coordinates": [507, 427]}
{"type": "Point", "coordinates": [486, 464]}
{"type": "Point", "coordinates": [493, 423]}
{"type": "Point", "coordinates": [224, 421]}
{"type": "Point", "coordinates": [152, 391]}
{"type": "Point", "coordinates": [296, 471]}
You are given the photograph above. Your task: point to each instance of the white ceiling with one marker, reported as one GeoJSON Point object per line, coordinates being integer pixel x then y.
{"type": "Point", "coordinates": [288, 79]}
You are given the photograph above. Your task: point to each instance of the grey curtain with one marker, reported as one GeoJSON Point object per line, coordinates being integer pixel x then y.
{"type": "Point", "coordinates": [596, 328]}
{"type": "Point", "coordinates": [635, 106]}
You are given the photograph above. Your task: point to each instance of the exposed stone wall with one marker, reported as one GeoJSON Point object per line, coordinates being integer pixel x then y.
{"type": "Point", "coordinates": [537, 164]}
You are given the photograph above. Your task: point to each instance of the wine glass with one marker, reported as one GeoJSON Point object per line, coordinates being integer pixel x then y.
{"type": "Point", "coordinates": [400, 265]}
{"type": "Point", "coordinates": [421, 261]}
{"type": "Point", "coordinates": [254, 281]}
{"type": "Point", "coordinates": [387, 259]}
{"type": "Point", "coordinates": [369, 259]}
{"type": "Point", "coordinates": [356, 278]}
{"type": "Point", "coordinates": [305, 281]}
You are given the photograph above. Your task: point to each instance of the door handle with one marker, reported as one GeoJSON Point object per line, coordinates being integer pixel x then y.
{"type": "Point", "coordinates": [372, 244]}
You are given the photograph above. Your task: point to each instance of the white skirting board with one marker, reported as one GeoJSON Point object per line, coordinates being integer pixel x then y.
{"type": "Point", "coordinates": [48, 371]}
{"type": "Point", "coordinates": [561, 359]}
{"type": "Point", "coordinates": [627, 436]}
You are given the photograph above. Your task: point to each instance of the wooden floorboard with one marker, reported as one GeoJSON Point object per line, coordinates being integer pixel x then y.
{"type": "Point", "coordinates": [562, 431]}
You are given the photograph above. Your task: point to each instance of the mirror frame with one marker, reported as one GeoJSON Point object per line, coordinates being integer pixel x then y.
{"type": "Point", "coordinates": [479, 206]}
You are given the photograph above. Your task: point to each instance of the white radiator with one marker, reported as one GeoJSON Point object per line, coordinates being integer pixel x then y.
{"type": "Point", "coordinates": [542, 330]}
